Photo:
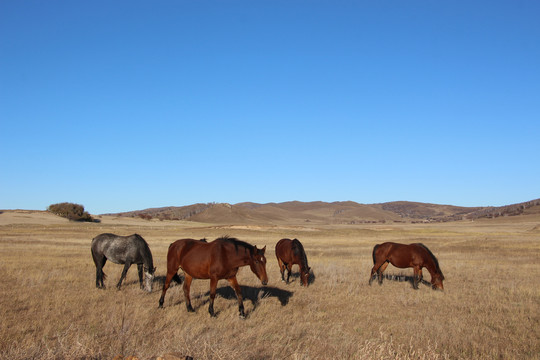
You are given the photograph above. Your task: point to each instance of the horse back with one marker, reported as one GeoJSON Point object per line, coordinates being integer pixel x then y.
{"type": "Point", "coordinates": [120, 249]}
{"type": "Point", "coordinates": [393, 252]}
{"type": "Point", "coordinates": [400, 255]}
{"type": "Point", "coordinates": [193, 256]}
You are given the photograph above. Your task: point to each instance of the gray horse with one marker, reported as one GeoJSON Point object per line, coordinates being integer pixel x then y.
{"type": "Point", "coordinates": [126, 250]}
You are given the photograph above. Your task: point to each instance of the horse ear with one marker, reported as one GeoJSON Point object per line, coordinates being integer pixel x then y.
{"type": "Point", "coordinates": [263, 249]}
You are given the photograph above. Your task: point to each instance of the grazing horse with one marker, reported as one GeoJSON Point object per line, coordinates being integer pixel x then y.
{"type": "Point", "coordinates": [416, 256]}
{"type": "Point", "coordinates": [126, 250]}
{"type": "Point", "coordinates": [288, 253]}
{"type": "Point", "coordinates": [216, 260]}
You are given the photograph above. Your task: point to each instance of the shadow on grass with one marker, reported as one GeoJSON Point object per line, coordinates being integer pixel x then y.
{"type": "Point", "coordinates": [251, 293]}
{"type": "Point", "coordinates": [296, 276]}
{"type": "Point", "coordinates": [402, 278]}
{"type": "Point", "coordinates": [160, 280]}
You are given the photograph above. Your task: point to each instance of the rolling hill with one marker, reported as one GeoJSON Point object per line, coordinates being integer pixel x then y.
{"type": "Point", "coordinates": [318, 212]}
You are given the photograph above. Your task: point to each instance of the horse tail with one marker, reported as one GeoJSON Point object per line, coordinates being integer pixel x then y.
{"type": "Point", "coordinates": [373, 254]}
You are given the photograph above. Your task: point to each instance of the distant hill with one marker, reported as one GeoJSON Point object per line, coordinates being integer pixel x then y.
{"type": "Point", "coordinates": [319, 212]}
{"type": "Point", "coordinates": [423, 211]}
{"type": "Point", "coordinates": [524, 208]}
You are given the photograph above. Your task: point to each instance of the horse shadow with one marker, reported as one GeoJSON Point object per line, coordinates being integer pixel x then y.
{"type": "Point", "coordinates": [160, 279]}
{"type": "Point", "coordinates": [252, 294]}
{"type": "Point", "coordinates": [402, 278]}
{"type": "Point", "coordinates": [296, 276]}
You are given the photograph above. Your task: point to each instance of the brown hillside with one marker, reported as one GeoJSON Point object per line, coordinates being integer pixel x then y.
{"type": "Point", "coordinates": [416, 210]}
{"type": "Point", "coordinates": [524, 208]}
{"type": "Point", "coordinates": [319, 212]}
{"type": "Point", "coordinates": [226, 214]}
{"type": "Point", "coordinates": [292, 212]}
{"type": "Point", "coordinates": [169, 212]}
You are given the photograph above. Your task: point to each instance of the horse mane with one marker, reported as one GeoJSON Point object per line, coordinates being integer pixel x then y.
{"type": "Point", "coordinates": [298, 249]}
{"type": "Point", "coordinates": [236, 243]}
{"type": "Point", "coordinates": [435, 260]}
{"type": "Point", "coordinates": [148, 261]}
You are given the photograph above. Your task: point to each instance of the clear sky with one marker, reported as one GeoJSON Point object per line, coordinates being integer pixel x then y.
{"type": "Point", "coordinates": [125, 105]}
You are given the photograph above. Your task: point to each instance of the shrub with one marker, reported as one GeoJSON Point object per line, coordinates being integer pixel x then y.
{"type": "Point", "coordinates": [74, 212]}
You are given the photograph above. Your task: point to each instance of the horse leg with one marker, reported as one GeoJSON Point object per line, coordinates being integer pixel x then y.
{"type": "Point", "coordinates": [140, 270]}
{"type": "Point", "coordinates": [281, 269]}
{"type": "Point", "coordinates": [381, 270]}
{"type": "Point", "coordinates": [124, 272]}
{"type": "Point", "coordinates": [99, 277]}
{"type": "Point", "coordinates": [99, 262]}
{"type": "Point", "coordinates": [416, 278]}
{"type": "Point", "coordinates": [213, 286]}
{"type": "Point", "coordinates": [234, 284]}
{"type": "Point", "coordinates": [289, 268]}
{"type": "Point", "coordinates": [374, 270]}
{"type": "Point", "coordinates": [187, 285]}
{"type": "Point", "coordinates": [166, 287]}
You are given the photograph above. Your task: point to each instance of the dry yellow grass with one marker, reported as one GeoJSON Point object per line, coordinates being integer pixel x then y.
{"type": "Point", "coordinates": [51, 309]}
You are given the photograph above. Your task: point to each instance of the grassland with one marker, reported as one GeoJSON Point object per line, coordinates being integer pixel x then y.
{"type": "Point", "coordinates": [50, 308]}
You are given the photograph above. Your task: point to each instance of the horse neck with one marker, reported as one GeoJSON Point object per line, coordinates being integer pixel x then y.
{"type": "Point", "coordinates": [431, 266]}
{"type": "Point", "coordinates": [243, 258]}
{"type": "Point", "coordinates": [303, 262]}
{"type": "Point", "coordinates": [148, 262]}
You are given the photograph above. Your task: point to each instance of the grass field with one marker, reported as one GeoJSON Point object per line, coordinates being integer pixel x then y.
{"type": "Point", "coordinates": [50, 308]}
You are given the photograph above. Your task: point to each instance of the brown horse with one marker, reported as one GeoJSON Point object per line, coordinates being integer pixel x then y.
{"type": "Point", "coordinates": [216, 260]}
{"type": "Point", "coordinates": [416, 256]}
{"type": "Point", "coordinates": [288, 253]}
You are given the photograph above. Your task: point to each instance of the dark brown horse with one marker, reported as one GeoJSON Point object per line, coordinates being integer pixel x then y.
{"type": "Point", "coordinates": [288, 253]}
{"type": "Point", "coordinates": [416, 256]}
{"type": "Point", "coordinates": [216, 260]}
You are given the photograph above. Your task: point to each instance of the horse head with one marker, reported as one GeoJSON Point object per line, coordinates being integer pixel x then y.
{"type": "Point", "coordinates": [304, 276]}
{"type": "Point", "coordinates": [149, 278]}
{"type": "Point", "coordinates": [258, 264]}
{"type": "Point", "coordinates": [437, 281]}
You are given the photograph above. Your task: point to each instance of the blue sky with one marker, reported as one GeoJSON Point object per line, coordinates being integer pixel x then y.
{"type": "Point", "coordinates": [125, 105]}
